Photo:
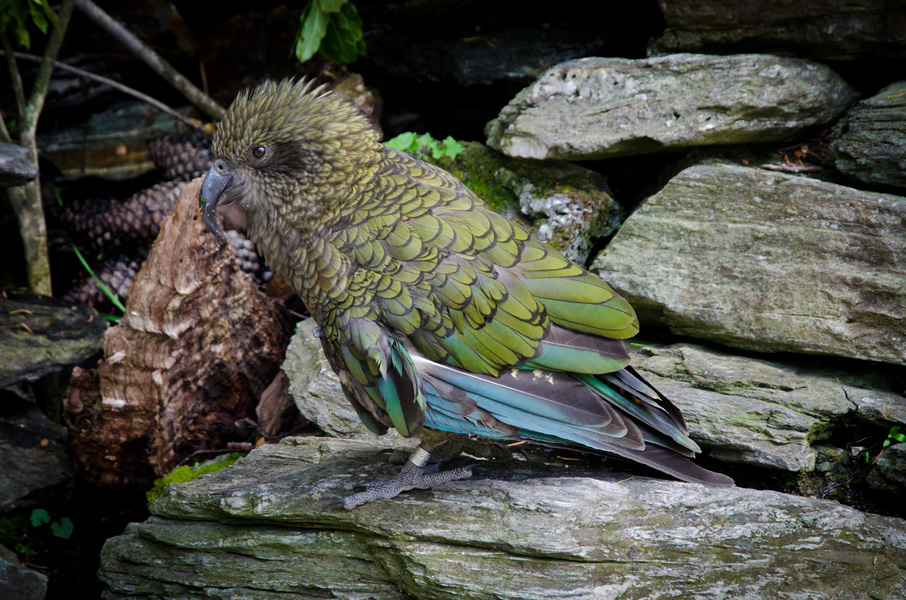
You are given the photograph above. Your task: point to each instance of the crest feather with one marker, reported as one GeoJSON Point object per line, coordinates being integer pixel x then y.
{"type": "Point", "coordinates": [285, 111]}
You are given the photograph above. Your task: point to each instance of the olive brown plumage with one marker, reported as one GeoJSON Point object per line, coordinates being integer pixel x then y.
{"type": "Point", "coordinates": [433, 310]}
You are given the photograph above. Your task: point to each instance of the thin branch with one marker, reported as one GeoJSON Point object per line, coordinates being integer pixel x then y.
{"type": "Point", "coordinates": [783, 168]}
{"type": "Point", "coordinates": [115, 85]}
{"type": "Point", "coordinates": [26, 199]}
{"type": "Point", "coordinates": [15, 77]}
{"type": "Point", "coordinates": [152, 59]}
{"type": "Point", "coordinates": [4, 132]}
{"type": "Point", "coordinates": [42, 79]}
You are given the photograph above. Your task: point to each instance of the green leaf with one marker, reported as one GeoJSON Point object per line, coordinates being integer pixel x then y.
{"type": "Point", "coordinates": [403, 142]}
{"type": "Point", "coordinates": [332, 46]}
{"type": "Point", "coordinates": [338, 45]}
{"type": "Point", "coordinates": [311, 33]}
{"type": "Point", "coordinates": [452, 148]}
{"type": "Point", "coordinates": [39, 517]}
{"type": "Point", "coordinates": [425, 141]}
{"type": "Point", "coordinates": [41, 15]}
{"type": "Point", "coordinates": [12, 10]}
{"type": "Point", "coordinates": [24, 550]}
{"type": "Point", "coordinates": [330, 6]}
{"type": "Point", "coordinates": [343, 41]}
{"type": "Point", "coordinates": [353, 22]}
{"type": "Point", "coordinates": [12, 125]}
{"type": "Point", "coordinates": [22, 34]}
{"type": "Point", "coordinates": [426, 145]}
{"type": "Point", "coordinates": [38, 18]}
{"type": "Point", "coordinates": [17, 12]}
{"type": "Point", "coordinates": [63, 528]}
{"type": "Point", "coordinates": [332, 27]}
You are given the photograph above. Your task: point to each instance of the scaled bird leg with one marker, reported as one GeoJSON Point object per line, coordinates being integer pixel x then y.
{"type": "Point", "coordinates": [414, 474]}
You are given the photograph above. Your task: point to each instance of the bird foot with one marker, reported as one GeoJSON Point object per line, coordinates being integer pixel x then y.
{"type": "Point", "coordinates": [413, 475]}
{"type": "Point", "coordinates": [410, 477]}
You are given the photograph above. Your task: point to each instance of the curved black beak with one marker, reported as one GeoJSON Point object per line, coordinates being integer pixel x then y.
{"type": "Point", "coordinates": [215, 182]}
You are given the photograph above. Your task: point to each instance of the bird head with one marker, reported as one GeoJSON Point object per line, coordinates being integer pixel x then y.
{"type": "Point", "coordinates": [286, 150]}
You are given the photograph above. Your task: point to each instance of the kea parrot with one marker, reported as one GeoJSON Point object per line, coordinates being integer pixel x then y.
{"type": "Point", "coordinates": [434, 311]}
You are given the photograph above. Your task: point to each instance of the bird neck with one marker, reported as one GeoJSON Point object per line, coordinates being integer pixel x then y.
{"type": "Point", "coordinates": [302, 243]}
{"type": "Point", "coordinates": [310, 263]}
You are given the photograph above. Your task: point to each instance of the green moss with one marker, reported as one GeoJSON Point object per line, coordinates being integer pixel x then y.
{"type": "Point", "coordinates": [14, 529]}
{"type": "Point", "coordinates": [188, 473]}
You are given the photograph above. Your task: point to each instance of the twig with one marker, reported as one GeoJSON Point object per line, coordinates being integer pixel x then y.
{"type": "Point", "coordinates": [791, 168]}
{"type": "Point", "coordinates": [42, 78]}
{"type": "Point", "coordinates": [15, 77]}
{"type": "Point", "coordinates": [5, 137]}
{"type": "Point", "coordinates": [16, 81]}
{"type": "Point", "coordinates": [115, 85]}
{"type": "Point", "coordinates": [152, 59]}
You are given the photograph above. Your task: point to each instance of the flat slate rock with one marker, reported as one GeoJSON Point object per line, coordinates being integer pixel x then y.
{"type": "Point", "coordinates": [16, 168]}
{"type": "Point", "coordinates": [766, 261]}
{"type": "Point", "coordinates": [112, 143]}
{"type": "Point", "coordinates": [595, 108]}
{"type": "Point", "coordinates": [264, 528]}
{"type": "Point", "coordinates": [765, 412]}
{"type": "Point", "coordinates": [828, 30]}
{"type": "Point", "coordinates": [872, 147]}
{"type": "Point", "coordinates": [42, 334]}
{"type": "Point", "coordinates": [18, 581]}
{"type": "Point", "coordinates": [35, 469]}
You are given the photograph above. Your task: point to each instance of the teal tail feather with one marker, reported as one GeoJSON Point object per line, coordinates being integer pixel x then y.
{"type": "Point", "coordinates": [617, 412]}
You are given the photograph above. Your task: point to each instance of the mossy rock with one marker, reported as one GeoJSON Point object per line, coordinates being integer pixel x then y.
{"type": "Point", "coordinates": [190, 472]}
{"type": "Point", "coordinates": [519, 529]}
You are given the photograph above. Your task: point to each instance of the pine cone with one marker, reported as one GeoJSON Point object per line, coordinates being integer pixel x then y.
{"type": "Point", "coordinates": [81, 215]}
{"type": "Point", "coordinates": [182, 156]}
{"type": "Point", "coordinates": [247, 256]}
{"type": "Point", "coordinates": [117, 273]}
{"type": "Point", "coordinates": [136, 220]}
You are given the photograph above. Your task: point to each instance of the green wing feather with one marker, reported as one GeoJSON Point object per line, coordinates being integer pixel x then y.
{"type": "Point", "coordinates": [402, 392]}
{"type": "Point", "coordinates": [437, 269]}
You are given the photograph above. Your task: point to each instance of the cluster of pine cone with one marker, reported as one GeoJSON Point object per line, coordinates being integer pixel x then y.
{"type": "Point", "coordinates": [248, 258]}
{"type": "Point", "coordinates": [121, 229]}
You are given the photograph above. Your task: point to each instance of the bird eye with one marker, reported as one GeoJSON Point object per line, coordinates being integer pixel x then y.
{"type": "Point", "coordinates": [259, 151]}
